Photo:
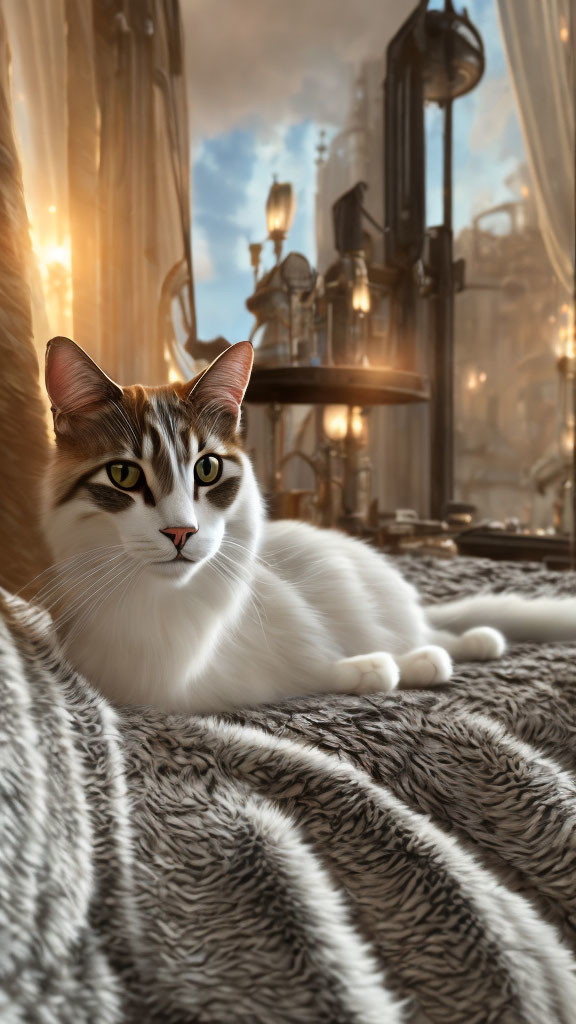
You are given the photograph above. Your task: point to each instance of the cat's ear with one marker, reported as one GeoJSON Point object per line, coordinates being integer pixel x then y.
{"type": "Point", "coordinates": [223, 384]}
{"type": "Point", "coordinates": [73, 380]}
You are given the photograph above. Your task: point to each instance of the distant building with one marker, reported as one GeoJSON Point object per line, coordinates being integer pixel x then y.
{"type": "Point", "coordinates": [505, 379]}
{"type": "Point", "coordinates": [355, 154]}
{"type": "Point", "coordinates": [506, 386]}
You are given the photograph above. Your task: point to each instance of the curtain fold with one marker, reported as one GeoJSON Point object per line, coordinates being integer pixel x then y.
{"type": "Point", "coordinates": [540, 42]}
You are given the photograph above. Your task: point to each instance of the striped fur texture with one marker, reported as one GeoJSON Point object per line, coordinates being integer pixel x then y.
{"type": "Point", "coordinates": [331, 860]}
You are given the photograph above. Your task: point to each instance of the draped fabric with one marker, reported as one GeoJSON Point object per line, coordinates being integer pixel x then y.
{"type": "Point", "coordinates": [22, 422]}
{"type": "Point", "coordinates": [540, 40]}
{"type": "Point", "coordinates": [100, 101]}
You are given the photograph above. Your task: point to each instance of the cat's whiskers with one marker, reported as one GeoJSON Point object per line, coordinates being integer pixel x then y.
{"type": "Point", "coordinates": [229, 574]}
{"type": "Point", "coordinates": [71, 609]}
{"type": "Point", "coordinates": [71, 580]}
{"type": "Point", "coordinates": [64, 592]}
{"type": "Point", "coordinates": [255, 558]}
{"type": "Point", "coordinates": [95, 588]}
{"type": "Point", "coordinates": [56, 566]}
{"type": "Point", "coordinates": [90, 606]}
{"type": "Point", "coordinates": [77, 561]}
{"type": "Point", "coordinates": [252, 554]}
{"type": "Point", "coordinates": [110, 588]}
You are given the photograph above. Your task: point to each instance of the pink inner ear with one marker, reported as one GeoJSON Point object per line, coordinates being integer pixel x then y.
{"type": "Point", "coordinates": [73, 380]}
{"type": "Point", "coordinates": [225, 381]}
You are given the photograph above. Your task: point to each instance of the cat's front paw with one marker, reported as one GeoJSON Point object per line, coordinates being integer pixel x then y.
{"type": "Point", "coordinates": [366, 673]}
{"type": "Point", "coordinates": [481, 644]}
{"type": "Point", "coordinates": [424, 667]}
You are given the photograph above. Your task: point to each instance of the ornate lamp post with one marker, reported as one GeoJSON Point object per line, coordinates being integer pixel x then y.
{"type": "Point", "coordinates": [452, 65]}
{"type": "Point", "coordinates": [436, 56]}
{"type": "Point", "coordinates": [360, 309]}
{"type": "Point", "coordinates": [280, 210]}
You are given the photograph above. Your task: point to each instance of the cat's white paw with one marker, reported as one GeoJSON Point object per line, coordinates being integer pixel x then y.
{"type": "Point", "coordinates": [481, 644]}
{"type": "Point", "coordinates": [366, 673]}
{"type": "Point", "coordinates": [426, 666]}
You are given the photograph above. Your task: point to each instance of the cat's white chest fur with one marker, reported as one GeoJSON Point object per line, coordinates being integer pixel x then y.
{"type": "Point", "coordinates": [152, 646]}
{"type": "Point", "coordinates": [309, 600]}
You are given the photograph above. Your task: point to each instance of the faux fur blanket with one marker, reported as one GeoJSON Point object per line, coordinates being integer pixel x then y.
{"type": "Point", "coordinates": [356, 860]}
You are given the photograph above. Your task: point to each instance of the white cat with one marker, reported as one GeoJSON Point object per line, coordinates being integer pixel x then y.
{"type": "Point", "coordinates": [172, 589]}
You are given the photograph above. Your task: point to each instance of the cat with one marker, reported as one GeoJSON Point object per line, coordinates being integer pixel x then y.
{"type": "Point", "coordinates": [171, 588]}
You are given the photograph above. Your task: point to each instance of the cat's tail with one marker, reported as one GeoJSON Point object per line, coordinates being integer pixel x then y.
{"type": "Point", "coordinates": [528, 620]}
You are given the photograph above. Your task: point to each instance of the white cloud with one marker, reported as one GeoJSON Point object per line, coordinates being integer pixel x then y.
{"type": "Point", "coordinates": [495, 105]}
{"type": "Point", "coordinates": [289, 61]}
{"type": "Point", "coordinates": [201, 256]}
{"type": "Point", "coordinates": [273, 156]}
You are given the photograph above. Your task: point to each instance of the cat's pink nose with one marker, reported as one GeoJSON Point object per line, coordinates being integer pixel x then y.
{"type": "Point", "coordinates": [179, 534]}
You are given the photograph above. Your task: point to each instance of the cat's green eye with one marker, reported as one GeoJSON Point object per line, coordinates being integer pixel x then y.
{"type": "Point", "coordinates": [126, 475]}
{"type": "Point", "coordinates": [208, 470]}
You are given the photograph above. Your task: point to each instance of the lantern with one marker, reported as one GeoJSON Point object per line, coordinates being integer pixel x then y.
{"type": "Point", "coordinates": [361, 296]}
{"type": "Point", "coordinates": [280, 210]}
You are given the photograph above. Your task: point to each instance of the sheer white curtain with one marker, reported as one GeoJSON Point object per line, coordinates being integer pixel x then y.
{"type": "Point", "coordinates": [36, 33]}
{"type": "Point", "coordinates": [102, 127]}
{"type": "Point", "coordinates": [540, 37]}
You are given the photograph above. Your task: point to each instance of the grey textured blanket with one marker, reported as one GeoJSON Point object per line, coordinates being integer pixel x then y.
{"type": "Point", "coordinates": [404, 858]}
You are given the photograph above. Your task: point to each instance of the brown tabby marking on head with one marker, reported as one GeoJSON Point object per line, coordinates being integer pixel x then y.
{"type": "Point", "coordinates": [223, 495]}
{"type": "Point", "coordinates": [160, 422]}
{"type": "Point", "coordinates": [108, 499]}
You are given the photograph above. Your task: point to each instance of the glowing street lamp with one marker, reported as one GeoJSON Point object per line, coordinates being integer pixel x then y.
{"type": "Point", "coordinates": [361, 296]}
{"type": "Point", "coordinates": [280, 210]}
{"type": "Point", "coordinates": [340, 420]}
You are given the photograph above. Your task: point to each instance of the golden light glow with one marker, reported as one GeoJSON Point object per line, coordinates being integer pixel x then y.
{"type": "Point", "coordinates": [567, 440]}
{"type": "Point", "coordinates": [475, 380]}
{"type": "Point", "coordinates": [564, 32]}
{"type": "Point", "coordinates": [173, 376]}
{"type": "Point", "coordinates": [52, 209]}
{"type": "Point", "coordinates": [566, 343]}
{"type": "Point", "coordinates": [361, 296]}
{"type": "Point", "coordinates": [525, 191]}
{"type": "Point", "coordinates": [58, 254]}
{"type": "Point", "coordinates": [335, 422]}
{"type": "Point", "coordinates": [280, 208]}
{"type": "Point", "coordinates": [55, 266]}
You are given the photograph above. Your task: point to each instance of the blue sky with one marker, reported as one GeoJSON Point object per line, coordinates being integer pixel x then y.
{"type": "Point", "coordinates": [232, 172]}
{"type": "Point", "coordinates": [232, 176]}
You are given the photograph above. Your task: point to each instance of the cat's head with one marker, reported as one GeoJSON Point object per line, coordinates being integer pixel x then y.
{"type": "Point", "coordinates": [156, 473]}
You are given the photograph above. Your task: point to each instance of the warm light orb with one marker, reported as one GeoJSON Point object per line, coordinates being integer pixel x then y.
{"type": "Point", "coordinates": [54, 260]}
{"type": "Point", "coordinates": [335, 422]}
{"type": "Point", "coordinates": [475, 379]}
{"type": "Point", "coordinates": [57, 254]}
{"type": "Point", "coordinates": [361, 296]}
{"type": "Point", "coordinates": [566, 337]}
{"type": "Point", "coordinates": [280, 209]}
